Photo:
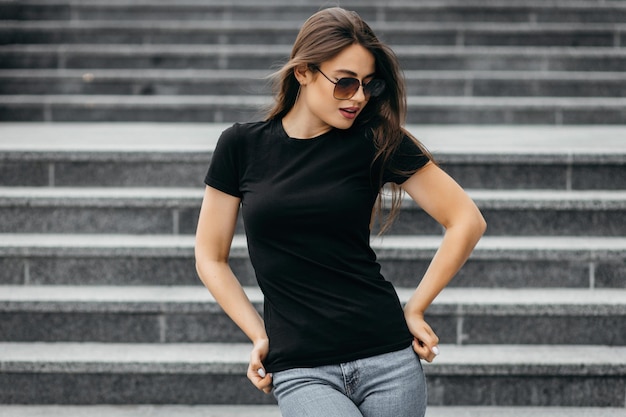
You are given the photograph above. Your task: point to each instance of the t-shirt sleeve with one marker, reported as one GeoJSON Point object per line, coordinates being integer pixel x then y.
{"type": "Point", "coordinates": [405, 161]}
{"type": "Point", "coordinates": [224, 168]}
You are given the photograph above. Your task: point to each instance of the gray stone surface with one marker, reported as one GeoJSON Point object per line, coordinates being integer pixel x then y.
{"type": "Point", "coordinates": [86, 220]}
{"type": "Point", "coordinates": [243, 82]}
{"type": "Point", "coordinates": [175, 211]}
{"type": "Point", "coordinates": [145, 411]}
{"type": "Point", "coordinates": [284, 32]}
{"type": "Point", "coordinates": [13, 271]}
{"type": "Point", "coordinates": [573, 391]}
{"type": "Point", "coordinates": [272, 411]}
{"type": "Point", "coordinates": [610, 275]}
{"type": "Point", "coordinates": [126, 173]}
{"type": "Point", "coordinates": [507, 261]}
{"type": "Point", "coordinates": [536, 212]}
{"type": "Point", "coordinates": [565, 143]}
{"type": "Point", "coordinates": [134, 82]}
{"type": "Point", "coordinates": [177, 155]}
{"type": "Point", "coordinates": [513, 11]}
{"type": "Point", "coordinates": [196, 299]}
{"type": "Point", "coordinates": [110, 108]}
{"type": "Point", "coordinates": [168, 260]}
{"type": "Point", "coordinates": [609, 177]}
{"type": "Point", "coordinates": [467, 375]}
{"type": "Point", "coordinates": [229, 109]}
{"type": "Point", "coordinates": [129, 388]}
{"type": "Point", "coordinates": [97, 210]}
{"type": "Point", "coordinates": [153, 314]}
{"type": "Point", "coordinates": [518, 273]}
{"type": "Point", "coordinates": [530, 329]}
{"type": "Point", "coordinates": [263, 57]}
{"type": "Point", "coordinates": [524, 412]}
{"type": "Point", "coordinates": [20, 174]}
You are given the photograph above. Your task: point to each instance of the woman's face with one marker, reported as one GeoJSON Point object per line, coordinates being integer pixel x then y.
{"type": "Point", "coordinates": [317, 94]}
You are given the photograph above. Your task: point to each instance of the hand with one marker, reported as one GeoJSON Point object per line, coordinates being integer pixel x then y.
{"type": "Point", "coordinates": [425, 341]}
{"type": "Point", "coordinates": [256, 370]}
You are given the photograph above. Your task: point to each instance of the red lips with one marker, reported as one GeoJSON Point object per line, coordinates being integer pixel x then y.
{"type": "Point", "coordinates": [349, 112]}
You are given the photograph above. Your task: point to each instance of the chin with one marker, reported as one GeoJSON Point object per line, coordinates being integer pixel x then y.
{"type": "Point", "coordinates": [344, 124]}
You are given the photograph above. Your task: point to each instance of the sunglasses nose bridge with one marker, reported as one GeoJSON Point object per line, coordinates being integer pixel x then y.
{"type": "Point", "coordinates": [360, 93]}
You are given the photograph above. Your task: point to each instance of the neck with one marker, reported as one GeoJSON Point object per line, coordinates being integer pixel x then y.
{"type": "Point", "coordinates": [300, 123]}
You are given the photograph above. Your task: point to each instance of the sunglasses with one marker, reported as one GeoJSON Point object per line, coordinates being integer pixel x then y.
{"type": "Point", "coordinates": [346, 88]}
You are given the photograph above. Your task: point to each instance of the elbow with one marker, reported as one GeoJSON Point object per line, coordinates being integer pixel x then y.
{"type": "Point", "coordinates": [481, 224]}
{"type": "Point", "coordinates": [468, 221]}
{"type": "Point", "coordinates": [197, 259]}
{"type": "Point", "coordinates": [478, 224]}
{"type": "Point", "coordinates": [205, 273]}
{"type": "Point", "coordinates": [203, 267]}
{"type": "Point", "coordinates": [198, 273]}
{"type": "Point", "coordinates": [209, 265]}
{"type": "Point", "coordinates": [473, 225]}
{"type": "Point", "coordinates": [199, 270]}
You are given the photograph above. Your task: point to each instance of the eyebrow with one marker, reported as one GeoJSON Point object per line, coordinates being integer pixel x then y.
{"type": "Point", "coordinates": [352, 73]}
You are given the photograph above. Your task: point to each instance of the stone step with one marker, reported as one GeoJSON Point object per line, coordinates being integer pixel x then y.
{"type": "Point", "coordinates": [532, 213]}
{"type": "Point", "coordinates": [175, 210]}
{"type": "Point", "coordinates": [222, 82]}
{"type": "Point", "coordinates": [497, 262]}
{"type": "Point", "coordinates": [217, 411]}
{"type": "Point", "coordinates": [277, 32]}
{"type": "Point", "coordinates": [119, 108]}
{"type": "Point", "coordinates": [272, 411]}
{"type": "Point", "coordinates": [228, 109]}
{"type": "Point", "coordinates": [265, 57]}
{"type": "Point", "coordinates": [134, 155]}
{"type": "Point", "coordinates": [188, 314]}
{"type": "Point", "coordinates": [432, 11]}
{"type": "Point", "coordinates": [495, 375]}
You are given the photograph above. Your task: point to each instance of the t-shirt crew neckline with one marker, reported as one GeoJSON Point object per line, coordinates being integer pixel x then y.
{"type": "Point", "coordinates": [284, 135]}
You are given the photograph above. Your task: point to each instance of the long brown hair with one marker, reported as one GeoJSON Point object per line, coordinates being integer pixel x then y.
{"type": "Point", "coordinates": [323, 36]}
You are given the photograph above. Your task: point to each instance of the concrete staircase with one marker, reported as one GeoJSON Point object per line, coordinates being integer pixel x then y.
{"type": "Point", "coordinates": [530, 62]}
{"type": "Point", "coordinates": [101, 312]}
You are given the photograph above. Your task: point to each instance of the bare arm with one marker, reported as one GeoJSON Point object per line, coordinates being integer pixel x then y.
{"type": "Point", "coordinates": [216, 228]}
{"type": "Point", "coordinates": [443, 199]}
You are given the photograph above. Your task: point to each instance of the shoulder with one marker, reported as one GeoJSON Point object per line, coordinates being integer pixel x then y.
{"type": "Point", "coordinates": [246, 129]}
{"type": "Point", "coordinates": [241, 134]}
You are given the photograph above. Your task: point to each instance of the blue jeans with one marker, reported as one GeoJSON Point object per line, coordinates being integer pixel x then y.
{"type": "Point", "coordinates": [388, 385]}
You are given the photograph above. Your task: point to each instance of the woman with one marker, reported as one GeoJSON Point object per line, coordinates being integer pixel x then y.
{"type": "Point", "coordinates": [334, 339]}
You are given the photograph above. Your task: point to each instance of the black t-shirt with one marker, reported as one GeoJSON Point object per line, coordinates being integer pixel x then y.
{"type": "Point", "coordinates": [306, 206]}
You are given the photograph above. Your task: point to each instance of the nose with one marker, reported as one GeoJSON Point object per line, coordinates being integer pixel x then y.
{"type": "Point", "coordinates": [360, 94]}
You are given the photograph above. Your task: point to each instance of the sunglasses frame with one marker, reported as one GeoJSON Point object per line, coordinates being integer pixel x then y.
{"type": "Point", "coordinates": [366, 91]}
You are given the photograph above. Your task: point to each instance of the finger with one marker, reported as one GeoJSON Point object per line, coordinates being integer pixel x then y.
{"type": "Point", "coordinates": [430, 341]}
{"type": "Point", "coordinates": [260, 379]}
{"type": "Point", "coordinates": [428, 338]}
{"type": "Point", "coordinates": [268, 389]}
{"type": "Point", "coordinates": [266, 384]}
{"type": "Point", "coordinates": [255, 367]}
{"type": "Point", "coordinates": [256, 375]}
{"type": "Point", "coordinates": [423, 351]}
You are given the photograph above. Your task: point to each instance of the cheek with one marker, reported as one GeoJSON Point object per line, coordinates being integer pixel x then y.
{"type": "Point", "coordinates": [323, 91]}
{"type": "Point", "coordinates": [321, 102]}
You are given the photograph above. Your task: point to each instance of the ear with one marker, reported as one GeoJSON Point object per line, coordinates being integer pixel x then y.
{"type": "Point", "coordinates": [303, 74]}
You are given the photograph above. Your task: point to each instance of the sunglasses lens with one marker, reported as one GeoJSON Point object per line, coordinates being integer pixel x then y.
{"type": "Point", "coordinates": [374, 88]}
{"type": "Point", "coordinates": [346, 88]}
